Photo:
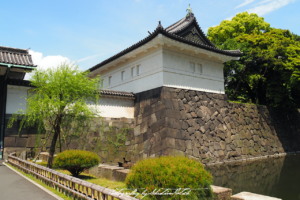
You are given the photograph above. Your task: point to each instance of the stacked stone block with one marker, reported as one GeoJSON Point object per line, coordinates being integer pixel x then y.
{"type": "Point", "coordinates": [99, 139]}
{"type": "Point", "coordinates": [207, 127]}
{"type": "Point", "coordinates": [201, 125]}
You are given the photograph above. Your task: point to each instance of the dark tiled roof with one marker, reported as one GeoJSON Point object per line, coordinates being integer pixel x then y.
{"type": "Point", "coordinates": [185, 25]}
{"type": "Point", "coordinates": [117, 93]}
{"type": "Point", "coordinates": [15, 56]}
{"type": "Point", "coordinates": [26, 83]}
{"type": "Point", "coordinates": [172, 32]}
{"type": "Point", "coordinates": [19, 82]}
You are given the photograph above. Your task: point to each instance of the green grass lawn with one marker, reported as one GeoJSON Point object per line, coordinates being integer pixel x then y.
{"type": "Point", "coordinates": [92, 179]}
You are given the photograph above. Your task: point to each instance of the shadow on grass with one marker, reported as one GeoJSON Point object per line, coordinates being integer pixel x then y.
{"type": "Point", "coordinates": [86, 177]}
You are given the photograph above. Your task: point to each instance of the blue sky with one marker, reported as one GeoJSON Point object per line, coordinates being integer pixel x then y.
{"type": "Point", "coordinates": [91, 31]}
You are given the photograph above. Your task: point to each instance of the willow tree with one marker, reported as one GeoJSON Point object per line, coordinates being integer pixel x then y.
{"type": "Point", "coordinates": [58, 104]}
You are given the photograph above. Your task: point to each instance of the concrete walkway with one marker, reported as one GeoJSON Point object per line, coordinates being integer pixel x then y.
{"type": "Point", "coordinates": [15, 187]}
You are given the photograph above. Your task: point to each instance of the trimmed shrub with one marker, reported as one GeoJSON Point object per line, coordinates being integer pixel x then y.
{"type": "Point", "coordinates": [76, 161]}
{"type": "Point", "coordinates": [170, 173]}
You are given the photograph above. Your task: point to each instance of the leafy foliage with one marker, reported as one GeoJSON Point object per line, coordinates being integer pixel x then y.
{"type": "Point", "coordinates": [242, 23]}
{"type": "Point", "coordinates": [172, 173]}
{"type": "Point", "coordinates": [275, 75]}
{"type": "Point", "coordinates": [268, 71]}
{"type": "Point", "coordinates": [58, 104]}
{"type": "Point", "coordinates": [296, 37]}
{"type": "Point", "coordinates": [76, 161]}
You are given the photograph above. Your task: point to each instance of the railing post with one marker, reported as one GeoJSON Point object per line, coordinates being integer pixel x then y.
{"type": "Point", "coordinates": [64, 183]}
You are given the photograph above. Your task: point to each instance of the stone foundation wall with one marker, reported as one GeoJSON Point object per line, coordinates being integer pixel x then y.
{"type": "Point", "coordinates": [169, 121]}
{"type": "Point", "coordinates": [106, 137]}
{"type": "Point", "coordinates": [207, 127]}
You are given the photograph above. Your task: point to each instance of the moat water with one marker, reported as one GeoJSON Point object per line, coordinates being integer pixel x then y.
{"type": "Point", "coordinates": [275, 177]}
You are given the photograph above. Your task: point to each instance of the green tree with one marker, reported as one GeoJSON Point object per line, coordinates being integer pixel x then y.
{"type": "Point", "coordinates": [267, 73]}
{"type": "Point", "coordinates": [275, 73]}
{"type": "Point", "coordinates": [57, 105]}
{"type": "Point", "coordinates": [296, 37]}
{"type": "Point", "coordinates": [242, 23]}
{"type": "Point", "coordinates": [269, 70]}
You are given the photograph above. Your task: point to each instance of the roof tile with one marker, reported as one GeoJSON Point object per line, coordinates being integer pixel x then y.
{"type": "Point", "coordinates": [171, 33]}
{"type": "Point", "coordinates": [15, 56]}
{"type": "Point", "coordinates": [117, 93]}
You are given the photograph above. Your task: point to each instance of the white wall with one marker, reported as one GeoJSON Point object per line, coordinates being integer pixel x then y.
{"type": "Point", "coordinates": [113, 107]}
{"type": "Point", "coordinates": [177, 73]}
{"type": "Point", "coordinates": [166, 67]}
{"type": "Point", "coordinates": [108, 106]}
{"type": "Point", "coordinates": [151, 74]}
{"type": "Point", "coordinates": [15, 98]}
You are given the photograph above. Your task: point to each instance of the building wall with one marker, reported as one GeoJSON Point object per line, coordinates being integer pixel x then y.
{"type": "Point", "coordinates": [167, 67]}
{"type": "Point", "coordinates": [2, 101]}
{"type": "Point", "coordinates": [151, 74]}
{"type": "Point", "coordinates": [116, 107]}
{"type": "Point", "coordinates": [178, 74]}
{"type": "Point", "coordinates": [108, 106]}
{"type": "Point", "coordinates": [201, 125]}
{"type": "Point", "coordinates": [102, 137]}
{"type": "Point", "coordinates": [16, 98]}
{"type": "Point", "coordinates": [205, 126]}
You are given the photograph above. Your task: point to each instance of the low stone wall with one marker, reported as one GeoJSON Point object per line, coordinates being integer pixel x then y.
{"type": "Point", "coordinates": [106, 137]}
{"type": "Point", "coordinates": [207, 127]}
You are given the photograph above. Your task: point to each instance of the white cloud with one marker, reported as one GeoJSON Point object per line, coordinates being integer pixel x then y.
{"type": "Point", "coordinates": [269, 7]}
{"type": "Point", "coordinates": [206, 29]}
{"type": "Point", "coordinates": [229, 18]}
{"type": "Point", "coordinates": [262, 2]}
{"type": "Point", "coordinates": [89, 57]}
{"type": "Point", "coordinates": [46, 62]}
{"type": "Point", "coordinates": [266, 7]}
{"type": "Point", "coordinates": [160, 8]}
{"type": "Point", "coordinates": [245, 3]}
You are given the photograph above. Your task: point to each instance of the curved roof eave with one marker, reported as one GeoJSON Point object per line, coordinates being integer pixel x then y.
{"type": "Point", "coordinates": [158, 30]}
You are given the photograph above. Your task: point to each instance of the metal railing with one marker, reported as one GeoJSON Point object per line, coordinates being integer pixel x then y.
{"type": "Point", "coordinates": [66, 184]}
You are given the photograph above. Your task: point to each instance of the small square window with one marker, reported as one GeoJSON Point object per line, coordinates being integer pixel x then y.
{"type": "Point", "coordinates": [123, 75]}
{"type": "Point", "coordinates": [109, 80]}
{"type": "Point", "coordinates": [138, 69]}
{"type": "Point", "coordinates": [132, 71]}
{"type": "Point", "coordinates": [192, 67]}
{"type": "Point", "coordinates": [199, 68]}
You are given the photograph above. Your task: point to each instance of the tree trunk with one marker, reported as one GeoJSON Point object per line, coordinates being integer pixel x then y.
{"type": "Point", "coordinates": [53, 143]}
{"type": "Point", "coordinates": [52, 149]}
{"type": "Point", "coordinates": [256, 92]}
{"type": "Point", "coordinates": [59, 142]}
{"type": "Point", "coordinates": [238, 85]}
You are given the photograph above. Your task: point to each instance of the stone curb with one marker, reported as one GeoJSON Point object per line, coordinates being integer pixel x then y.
{"type": "Point", "coordinates": [33, 182]}
{"type": "Point", "coordinates": [277, 155]}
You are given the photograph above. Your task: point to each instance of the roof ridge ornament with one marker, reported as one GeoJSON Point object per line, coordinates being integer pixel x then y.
{"type": "Point", "coordinates": [189, 10]}
{"type": "Point", "coordinates": [159, 25]}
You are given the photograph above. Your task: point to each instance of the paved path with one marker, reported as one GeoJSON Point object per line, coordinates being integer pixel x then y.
{"type": "Point", "coordinates": [15, 187]}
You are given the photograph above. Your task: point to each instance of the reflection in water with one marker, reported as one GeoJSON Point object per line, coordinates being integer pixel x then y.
{"type": "Point", "coordinates": [276, 177]}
